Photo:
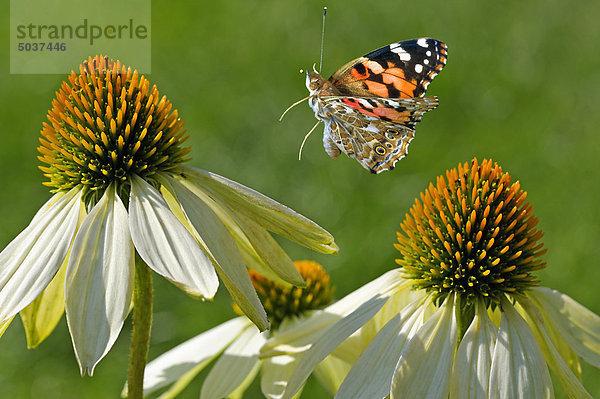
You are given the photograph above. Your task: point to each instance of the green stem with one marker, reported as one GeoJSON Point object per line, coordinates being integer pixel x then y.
{"type": "Point", "coordinates": [140, 337]}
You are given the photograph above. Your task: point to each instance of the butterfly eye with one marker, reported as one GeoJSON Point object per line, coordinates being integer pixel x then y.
{"type": "Point", "coordinates": [389, 145]}
{"type": "Point", "coordinates": [314, 84]}
{"type": "Point", "coordinates": [380, 150]}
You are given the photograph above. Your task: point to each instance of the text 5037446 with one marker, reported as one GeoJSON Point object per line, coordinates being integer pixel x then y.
{"type": "Point", "coordinates": [42, 46]}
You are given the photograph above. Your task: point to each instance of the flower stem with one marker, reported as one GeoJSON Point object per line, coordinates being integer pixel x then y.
{"type": "Point", "coordinates": [140, 337]}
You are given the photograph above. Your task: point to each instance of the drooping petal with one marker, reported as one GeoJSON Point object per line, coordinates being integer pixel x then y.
{"type": "Point", "coordinates": [331, 372]}
{"type": "Point", "coordinates": [473, 361]}
{"type": "Point", "coordinates": [398, 302]}
{"type": "Point", "coordinates": [568, 355]}
{"type": "Point", "coordinates": [178, 386]}
{"type": "Point", "coordinates": [537, 320]}
{"type": "Point", "coordinates": [371, 375]}
{"type": "Point", "coordinates": [425, 364]}
{"type": "Point", "coordinates": [272, 215]}
{"type": "Point", "coordinates": [576, 324]}
{"type": "Point", "coordinates": [518, 368]}
{"type": "Point", "coordinates": [271, 254]}
{"type": "Point", "coordinates": [305, 332]}
{"type": "Point", "coordinates": [232, 367]}
{"type": "Point", "coordinates": [30, 261]}
{"type": "Point", "coordinates": [42, 315]}
{"type": "Point", "coordinates": [275, 375]}
{"type": "Point", "coordinates": [276, 370]}
{"type": "Point", "coordinates": [165, 244]}
{"type": "Point", "coordinates": [194, 353]}
{"type": "Point", "coordinates": [217, 242]}
{"type": "Point", "coordinates": [352, 348]}
{"type": "Point", "coordinates": [99, 282]}
{"type": "Point", "coordinates": [260, 251]}
{"type": "Point", "coordinates": [241, 389]}
{"type": "Point", "coordinates": [329, 340]}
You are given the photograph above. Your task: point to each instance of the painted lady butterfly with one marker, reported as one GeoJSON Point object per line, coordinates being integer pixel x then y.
{"type": "Point", "coordinates": [370, 105]}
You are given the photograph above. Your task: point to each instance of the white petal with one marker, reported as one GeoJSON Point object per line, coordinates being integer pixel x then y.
{"type": "Point", "coordinates": [537, 319]}
{"type": "Point", "coordinates": [261, 252]}
{"type": "Point", "coordinates": [352, 348]}
{"type": "Point", "coordinates": [307, 331]}
{"type": "Point", "coordinates": [398, 302]}
{"type": "Point", "coordinates": [268, 213]}
{"type": "Point", "coordinates": [230, 371]}
{"type": "Point", "coordinates": [164, 243]}
{"type": "Point", "coordinates": [329, 340]}
{"type": "Point", "coordinates": [576, 324]}
{"type": "Point", "coordinates": [371, 375]}
{"type": "Point", "coordinates": [217, 242]}
{"type": "Point", "coordinates": [269, 251]}
{"type": "Point", "coordinates": [425, 363]}
{"type": "Point", "coordinates": [518, 366]}
{"type": "Point", "coordinates": [331, 372]}
{"type": "Point", "coordinates": [30, 261]}
{"type": "Point", "coordinates": [99, 282]}
{"type": "Point", "coordinates": [241, 389]}
{"type": "Point", "coordinates": [473, 361]}
{"type": "Point", "coordinates": [199, 350]}
{"type": "Point", "coordinates": [276, 370]}
{"type": "Point", "coordinates": [275, 375]}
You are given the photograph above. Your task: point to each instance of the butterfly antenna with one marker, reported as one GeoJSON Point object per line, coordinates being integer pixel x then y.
{"type": "Point", "coordinates": [322, 38]}
{"type": "Point", "coordinates": [306, 137]}
{"type": "Point", "coordinates": [292, 106]}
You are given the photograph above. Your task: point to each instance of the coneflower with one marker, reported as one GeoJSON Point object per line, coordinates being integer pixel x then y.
{"type": "Point", "coordinates": [463, 317]}
{"type": "Point", "coordinates": [113, 153]}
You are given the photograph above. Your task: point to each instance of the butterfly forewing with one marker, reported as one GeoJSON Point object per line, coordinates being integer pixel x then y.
{"type": "Point", "coordinates": [399, 70]}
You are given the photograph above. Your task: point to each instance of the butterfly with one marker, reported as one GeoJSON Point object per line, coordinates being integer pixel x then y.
{"type": "Point", "coordinates": [371, 105]}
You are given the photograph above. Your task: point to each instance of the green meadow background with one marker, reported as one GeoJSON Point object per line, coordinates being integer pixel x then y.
{"type": "Point", "coordinates": [522, 86]}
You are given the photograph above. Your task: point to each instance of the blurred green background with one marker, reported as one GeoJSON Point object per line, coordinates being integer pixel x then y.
{"type": "Point", "coordinates": [522, 86]}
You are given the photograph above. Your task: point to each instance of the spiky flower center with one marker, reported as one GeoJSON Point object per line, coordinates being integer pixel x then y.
{"type": "Point", "coordinates": [106, 124]}
{"type": "Point", "coordinates": [281, 301]}
{"type": "Point", "coordinates": [472, 233]}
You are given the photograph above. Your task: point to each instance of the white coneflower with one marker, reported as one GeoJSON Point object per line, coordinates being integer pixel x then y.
{"type": "Point", "coordinates": [464, 316]}
{"type": "Point", "coordinates": [238, 343]}
{"type": "Point", "coordinates": [113, 153]}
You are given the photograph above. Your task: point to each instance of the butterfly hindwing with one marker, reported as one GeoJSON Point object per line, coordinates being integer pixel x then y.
{"type": "Point", "coordinates": [398, 70]}
{"type": "Point", "coordinates": [404, 111]}
{"type": "Point", "coordinates": [375, 140]}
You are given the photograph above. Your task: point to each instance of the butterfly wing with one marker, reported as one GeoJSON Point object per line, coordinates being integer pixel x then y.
{"type": "Point", "coordinates": [374, 131]}
{"type": "Point", "coordinates": [399, 70]}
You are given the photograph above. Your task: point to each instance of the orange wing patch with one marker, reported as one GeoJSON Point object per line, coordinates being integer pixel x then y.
{"type": "Point", "coordinates": [395, 77]}
{"type": "Point", "coordinates": [392, 114]}
{"type": "Point", "coordinates": [377, 89]}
